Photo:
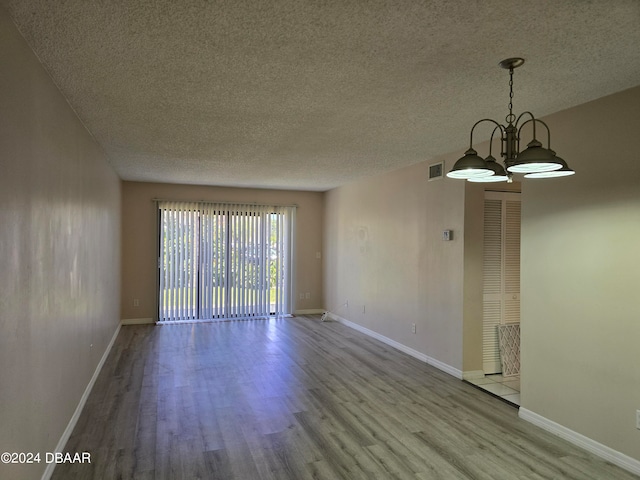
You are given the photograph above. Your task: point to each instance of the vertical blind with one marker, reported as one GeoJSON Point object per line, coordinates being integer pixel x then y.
{"type": "Point", "coordinates": [224, 260]}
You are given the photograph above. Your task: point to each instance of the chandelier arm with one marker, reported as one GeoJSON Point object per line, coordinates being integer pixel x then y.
{"type": "Point", "coordinates": [548, 132]}
{"type": "Point", "coordinates": [480, 121]}
{"type": "Point", "coordinates": [498, 127]}
{"type": "Point", "coordinates": [522, 115]}
{"type": "Point", "coordinates": [534, 120]}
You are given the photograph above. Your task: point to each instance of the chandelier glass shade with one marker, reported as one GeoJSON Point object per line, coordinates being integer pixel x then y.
{"type": "Point", "coordinates": [470, 166]}
{"type": "Point", "coordinates": [534, 161]}
{"type": "Point", "coordinates": [499, 174]}
{"type": "Point", "coordinates": [565, 171]}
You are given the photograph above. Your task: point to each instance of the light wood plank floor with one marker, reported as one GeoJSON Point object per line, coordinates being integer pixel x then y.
{"type": "Point", "coordinates": [300, 399]}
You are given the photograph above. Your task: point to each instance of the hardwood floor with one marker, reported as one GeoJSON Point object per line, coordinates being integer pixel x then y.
{"type": "Point", "coordinates": [299, 399]}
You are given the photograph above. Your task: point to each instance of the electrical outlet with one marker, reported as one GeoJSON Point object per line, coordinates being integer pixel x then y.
{"type": "Point", "coordinates": [638, 419]}
{"type": "Point", "coordinates": [413, 328]}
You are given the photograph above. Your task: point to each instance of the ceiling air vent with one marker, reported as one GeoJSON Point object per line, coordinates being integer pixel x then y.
{"type": "Point", "coordinates": [435, 171]}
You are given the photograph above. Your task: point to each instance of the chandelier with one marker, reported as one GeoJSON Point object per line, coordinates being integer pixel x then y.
{"type": "Point", "coordinates": [534, 161]}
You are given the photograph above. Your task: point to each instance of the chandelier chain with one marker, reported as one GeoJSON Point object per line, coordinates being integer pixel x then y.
{"type": "Point", "coordinates": [511, 116]}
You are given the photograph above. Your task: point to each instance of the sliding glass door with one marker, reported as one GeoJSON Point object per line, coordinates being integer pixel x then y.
{"type": "Point", "coordinates": [224, 261]}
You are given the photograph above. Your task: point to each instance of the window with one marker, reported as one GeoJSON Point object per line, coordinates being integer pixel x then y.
{"type": "Point", "coordinates": [224, 260]}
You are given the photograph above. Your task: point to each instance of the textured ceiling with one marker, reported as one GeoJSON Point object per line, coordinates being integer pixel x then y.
{"type": "Point", "coordinates": [313, 94]}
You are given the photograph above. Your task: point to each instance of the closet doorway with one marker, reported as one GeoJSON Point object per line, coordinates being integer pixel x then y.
{"type": "Point", "coordinates": [501, 293]}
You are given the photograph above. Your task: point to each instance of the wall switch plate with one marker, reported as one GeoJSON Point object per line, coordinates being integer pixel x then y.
{"type": "Point", "coordinates": [638, 419]}
{"type": "Point", "coordinates": [136, 302]}
{"type": "Point", "coordinates": [413, 328]}
{"type": "Point", "coordinates": [447, 235]}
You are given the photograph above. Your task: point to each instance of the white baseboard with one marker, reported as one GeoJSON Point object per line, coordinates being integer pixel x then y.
{"type": "Point", "coordinates": [137, 321]}
{"type": "Point", "coordinates": [609, 454]}
{"type": "Point", "coordinates": [76, 415]}
{"type": "Point", "coordinates": [399, 346]}
{"type": "Point", "coordinates": [310, 311]}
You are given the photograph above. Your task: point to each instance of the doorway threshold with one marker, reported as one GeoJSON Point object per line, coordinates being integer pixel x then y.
{"type": "Point", "coordinates": [506, 389]}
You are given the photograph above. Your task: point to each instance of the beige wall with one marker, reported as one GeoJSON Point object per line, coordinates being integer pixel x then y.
{"type": "Point", "coordinates": [59, 256]}
{"type": "Point", "coordinates": [580, 276]}
{"type": "Point", "coordinates": [402, 271]}
{"type": "Point", "coordinates": [385, 257]}
{"type": "Point", "coordinates": [473, 260]}
{"type": "Point", "coordinates": [139, 238]}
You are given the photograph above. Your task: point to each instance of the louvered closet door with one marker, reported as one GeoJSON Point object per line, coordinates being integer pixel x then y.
{"type": "Point", "coordinates": [501, 271]}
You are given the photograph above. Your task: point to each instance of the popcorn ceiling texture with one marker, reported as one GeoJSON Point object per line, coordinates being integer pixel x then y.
{"type": "Point", "coordinates": [310, 95]}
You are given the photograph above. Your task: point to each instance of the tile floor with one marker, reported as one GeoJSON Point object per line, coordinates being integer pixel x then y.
{"type": "Point", "coordinates": [507, 388]}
